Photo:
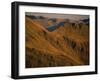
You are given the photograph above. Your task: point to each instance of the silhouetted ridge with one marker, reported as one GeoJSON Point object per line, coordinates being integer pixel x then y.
{"type": "Point", "coordinates": [52, 19]}
{"type": "Point", "coordinates": [31, 16]}
{"type": "Point", "coordinates": [40, 17]}
{"type": "Point", "coordinates": [86, 21]}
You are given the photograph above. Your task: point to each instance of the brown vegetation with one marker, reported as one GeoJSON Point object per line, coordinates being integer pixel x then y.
{"type": "Point", "coordinates": [66, 46]}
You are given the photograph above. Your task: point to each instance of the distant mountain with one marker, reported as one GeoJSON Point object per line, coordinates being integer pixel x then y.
{"type": "Point", "coordinates": [40, 17]}
{"type": "Point", "coordinates": [65, 46]}
{"type": "Point", "coordinates": [86, 21]}
{"type": "Point", "coordinates": [52, 19]}
{"type": "Point", "coordinates": [35, 17]}
{"type": "Point", "coordinates": [54, 27]}
{"type": "Point", "coordinates": [31, 16]}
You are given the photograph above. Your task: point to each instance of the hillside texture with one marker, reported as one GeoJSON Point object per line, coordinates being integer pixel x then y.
{"type": "Point", "coordinates": [68, 45]}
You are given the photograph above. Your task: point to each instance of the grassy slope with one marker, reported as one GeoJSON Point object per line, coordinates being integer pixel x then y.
{"type": "Point", "coordinates": [57, 48]}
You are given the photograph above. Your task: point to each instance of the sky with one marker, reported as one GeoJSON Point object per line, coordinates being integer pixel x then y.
{"type": "Point", "coordinates": [62, 16]}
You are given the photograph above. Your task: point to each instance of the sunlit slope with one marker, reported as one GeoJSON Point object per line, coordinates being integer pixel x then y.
{"type": "Point", "coordinates": [57, 48]}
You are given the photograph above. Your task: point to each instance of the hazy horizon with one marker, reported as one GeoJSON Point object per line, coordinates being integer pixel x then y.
{"type": "Point", "coordinates": [62, 16]}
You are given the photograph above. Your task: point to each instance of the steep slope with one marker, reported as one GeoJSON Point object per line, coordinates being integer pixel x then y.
{"type": "Point", "coordinates": [75, 40]}
{"type": "Point", "coordinates": [50, 49]}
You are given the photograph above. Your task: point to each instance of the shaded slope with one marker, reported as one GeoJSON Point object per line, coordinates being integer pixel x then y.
{"type": "Point", "coordinates": [46, 49]}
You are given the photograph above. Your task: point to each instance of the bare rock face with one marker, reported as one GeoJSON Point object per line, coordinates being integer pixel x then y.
{"type": "Point", "coordinates": [68, 45]}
